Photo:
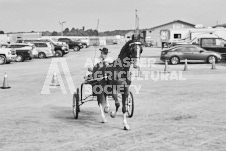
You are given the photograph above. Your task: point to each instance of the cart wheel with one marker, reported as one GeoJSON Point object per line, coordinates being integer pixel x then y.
{"type": "Point", "coordinates": [76, 108]}
{"type": "Point", "coordinates": [130, 105]}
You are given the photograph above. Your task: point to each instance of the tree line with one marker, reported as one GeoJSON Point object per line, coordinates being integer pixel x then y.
{"type": "Point", "coordinates": [82, 32]}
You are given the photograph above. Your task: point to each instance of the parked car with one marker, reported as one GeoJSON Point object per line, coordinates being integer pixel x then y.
{"type": "Point", "coordinates": [53, 41]}
{"type": "Point", "coordinates": [60, 50]}
{"type": "Point", "coordinates": [72, 44]}
{"type": "Point", "coordinates": [43, 50]}
{"type": "Point", "coordinates": [191, 52]}
{"type": "Point", "coordinates": [7, 55]}
{"type": "Point", "coordinates": [148, 44]}
{"type": "Point", "coordinates": [208, 43]}
{"type": "Point", "coordinates": [23, 51]}
{"type": "Point", "coordinates": [84, 44]}
{"type": "Point", "coordinates": [58, 44]}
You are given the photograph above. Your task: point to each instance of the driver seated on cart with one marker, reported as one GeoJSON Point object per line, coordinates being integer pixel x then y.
{"type": "Point", "coordinates": [102, 61]}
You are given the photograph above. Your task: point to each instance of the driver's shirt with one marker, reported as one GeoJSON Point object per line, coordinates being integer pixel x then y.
{"type": "Point", "coordinates": [98, 60]}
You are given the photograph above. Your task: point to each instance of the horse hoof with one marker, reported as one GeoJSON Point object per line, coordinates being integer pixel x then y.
{"type": "Point", "coordinates": [126, 127]}
{"type": "Point", "coordinates": [106, 109]}
{"type": "Point", "coordinates": [112, 114]}
{"type": "Point", "coordinates": [103, 121]}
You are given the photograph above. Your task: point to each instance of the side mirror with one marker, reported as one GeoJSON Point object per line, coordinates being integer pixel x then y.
{"type": "Point", "coordinates": [224, 45]}
{"type": "Point", "coordinates": [201, 51]}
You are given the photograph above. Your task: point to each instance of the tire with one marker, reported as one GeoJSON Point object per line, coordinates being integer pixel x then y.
{"type": "Point", "coordinates": [76, 48]}
{"type": "Point", "coordinates": [59, 53]}
{"type": "Point", "coordinates": [174, 60]}
{"type": "Point", "coordinates": [210, 59]}
{"type": "Point", "coordinates": [75, 105]}
{"type": "Point", "coordinates": [41, 55]}
{"type": "Point", "coordinates": [2, 59]}
{"type": "Point", "coordinates": [130, 105]}
{"type": "Point", "coordinates": [19, 58]}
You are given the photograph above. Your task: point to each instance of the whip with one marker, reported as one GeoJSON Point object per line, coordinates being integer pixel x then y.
{"type": "Point", "coordinates": [96, 41]}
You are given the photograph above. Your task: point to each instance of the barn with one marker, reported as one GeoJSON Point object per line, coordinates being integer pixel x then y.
{"type": "Point", "coordinates": [155, 32]}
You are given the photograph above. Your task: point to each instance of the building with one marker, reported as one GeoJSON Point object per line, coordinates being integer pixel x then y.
{"type": "Point", "coordinates": [160, 33]}
{"type": "Point", "coordinates": [221, 25]}
{"type": "Point", "coordinates": [128, 36]}
{"type": "Point", "coordinates": [13, 37]}
{"type": "Point", "coordinates": [4, 38]}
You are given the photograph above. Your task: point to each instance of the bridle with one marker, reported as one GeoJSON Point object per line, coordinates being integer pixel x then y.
{"type": "Point", "coordinates": [131, 50]}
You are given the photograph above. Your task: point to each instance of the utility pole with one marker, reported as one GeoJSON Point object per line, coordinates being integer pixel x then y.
{"type": "Point", "coordinates": [136, 24]}
{"type": "Point", "coordinates": [62, 24]}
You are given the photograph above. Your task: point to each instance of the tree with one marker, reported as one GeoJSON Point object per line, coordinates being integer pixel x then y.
{"type": "Point", "coordinates": [89, 32]}
{"type": "Point", "coordinates": [66, 31]}
{"type": "Point", "coordinates": [95, 33]}
{"type": "Point", "coordinates": [2, 32]}
{"type": "Point", "coordinates": [46, 33]}
{"type": "Point", "coordinates": [54, 33]}
{"type": "Point", "coordinates": [73, 30]}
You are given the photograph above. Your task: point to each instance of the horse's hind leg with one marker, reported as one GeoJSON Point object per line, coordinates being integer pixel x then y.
{"type": "Point", "coordinates": [107, 107]}
{"type": "Point", "coordinates": [117, 104]}
{"type": "Point", "coordinates": [100, 99]}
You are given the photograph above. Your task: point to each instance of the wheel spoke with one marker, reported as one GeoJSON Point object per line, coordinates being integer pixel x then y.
{"type": "Point", "coordinates": [129, 103]}
{"type": "Point", "coordinates": [128, 110]}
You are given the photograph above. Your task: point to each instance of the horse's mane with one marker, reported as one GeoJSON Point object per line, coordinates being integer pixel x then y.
{"type": "Point", "coordinates": [125, 47]}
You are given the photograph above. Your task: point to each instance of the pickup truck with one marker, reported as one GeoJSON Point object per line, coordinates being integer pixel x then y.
{"type": "Point", "coordinates": [7, 55]}
{"type": "Point", "coordinates": [216, 44]}
{"type": "Point", "coordinates": [72, 44]}
{"type": "Point", "coordinates": [23, 51]}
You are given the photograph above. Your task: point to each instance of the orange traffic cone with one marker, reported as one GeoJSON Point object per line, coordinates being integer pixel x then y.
{"type": "Point", "coordinates": [186, 65]}
{"type": "Point", "coordinates": [54, 80]}
{"type": "Point", "coordinates": [166, 67]}
{"type": "Point", "coordinates": [5, 82]}
{"type": "Point", "coordinates": [213, 64]}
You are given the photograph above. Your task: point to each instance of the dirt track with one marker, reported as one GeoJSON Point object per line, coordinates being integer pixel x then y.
{"type": "Point", "coordinates": [170, 115]}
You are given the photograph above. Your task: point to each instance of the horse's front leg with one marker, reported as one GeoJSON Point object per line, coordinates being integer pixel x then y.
{"type": "Point", "coordinates": [124, 110]}
{"type": "Point", "coordinates": [117, 104]}
{"type": "Point", "coordinates": [100, 99]}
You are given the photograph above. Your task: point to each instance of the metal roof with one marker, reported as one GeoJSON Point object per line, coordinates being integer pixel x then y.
{"type": "Point", "coordinates": [172, 23]}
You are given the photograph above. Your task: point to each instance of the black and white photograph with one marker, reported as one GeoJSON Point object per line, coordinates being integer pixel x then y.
{"type": "Point", "coordinates": [117, 75]}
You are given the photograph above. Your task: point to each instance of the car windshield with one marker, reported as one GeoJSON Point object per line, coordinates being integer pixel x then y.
{"type": "Point", "coordinates": [175, 47]}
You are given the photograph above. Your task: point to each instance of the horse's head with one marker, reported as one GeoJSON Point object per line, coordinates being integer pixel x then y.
{"type": "Point", "coordinates": [135, 50]}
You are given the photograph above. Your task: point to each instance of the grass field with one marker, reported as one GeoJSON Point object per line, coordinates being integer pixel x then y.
{"type": "Point", "coordinates": [170, 115]}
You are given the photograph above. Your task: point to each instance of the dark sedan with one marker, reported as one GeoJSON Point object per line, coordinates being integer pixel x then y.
{"type": "Point", "coordinates": [190, 52]}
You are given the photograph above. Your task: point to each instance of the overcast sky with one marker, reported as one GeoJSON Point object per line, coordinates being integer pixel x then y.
{"type": "Point", "coordinates": [43, 15]}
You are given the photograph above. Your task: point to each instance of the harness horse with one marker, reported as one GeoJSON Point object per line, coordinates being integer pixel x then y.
{"type": "Point", "coordinates": [113, 80]}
